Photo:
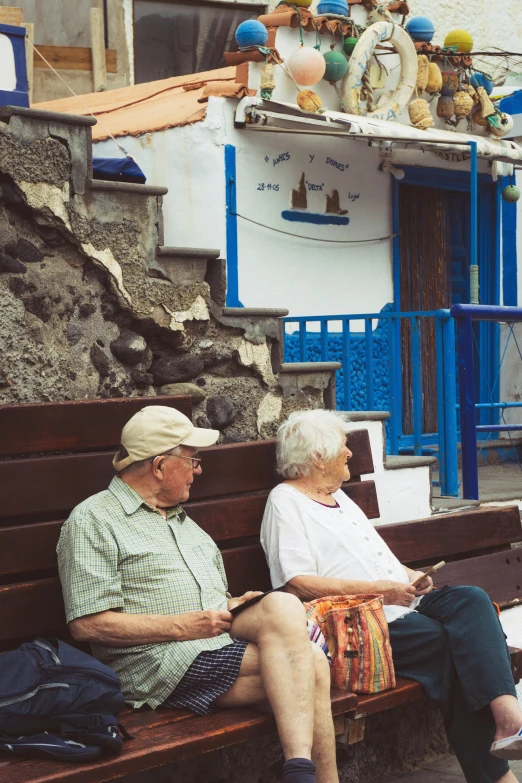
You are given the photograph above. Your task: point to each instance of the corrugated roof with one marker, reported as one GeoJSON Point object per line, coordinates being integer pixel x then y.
{"type": "Point", "coordinates": [153, 106]}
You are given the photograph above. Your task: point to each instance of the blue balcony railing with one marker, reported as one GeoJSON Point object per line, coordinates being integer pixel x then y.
{"type": "Point", "coordinates": [384, 367]}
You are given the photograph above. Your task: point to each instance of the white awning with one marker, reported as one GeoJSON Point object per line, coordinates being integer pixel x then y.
{"type": "Point", "coordinates": [255, 114]}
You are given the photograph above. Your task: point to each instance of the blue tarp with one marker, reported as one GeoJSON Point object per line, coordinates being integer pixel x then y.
{"type": "Point", "coordinates": [117, 170]}
{"type": "Point", "coordinates": [512, 104]}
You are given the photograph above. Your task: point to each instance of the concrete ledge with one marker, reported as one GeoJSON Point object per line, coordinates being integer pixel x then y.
{"type": "Point", "coordinates": [187, 252]}
{"type": "Point", "coordinates": [51, 116]}
{"type": "Point", "coordinates": [309, 367]}
{"type": "Point", "coordinates": [366, 415]}
{"type": "Point", "coordinates": [253, 312]}
{"type": "Point", "coordinates": [440, 505]}
{"type": "Point", "coordinates": [393, 462]}
{"type": "Point", "coordinates": [127, 187]}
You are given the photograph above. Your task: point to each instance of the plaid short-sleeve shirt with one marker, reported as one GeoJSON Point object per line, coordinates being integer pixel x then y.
{"type": "Point", "coordinates": [116, 552]}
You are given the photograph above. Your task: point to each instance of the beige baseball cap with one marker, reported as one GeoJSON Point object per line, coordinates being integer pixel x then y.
{"type": "Point", "coordinates": [155, 430]}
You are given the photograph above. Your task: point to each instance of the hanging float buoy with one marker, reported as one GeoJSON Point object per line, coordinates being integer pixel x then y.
{"type": "Point", "coordinates": [302, 3]}
{"type": "Point", "coordinates": [420, 114]}
{"type": "Point", "coordinates": [462, 104]}
{"type": "Point", "coordinates": [445, 108]}
{"type": "Point", "coordinates": [307, 66]}
{"type": "Point", "coordinates": [420, 28]}
{"type": "Point", "coordinates": [423, 70]}
{"type": "Point", "coordinates": [339, 7]}
{"type": "Point", "coordinates": [479, 79]}
{"type": "Point", "coordinates": [506, 125]}
{"type": "Point", "coordinates": [336, 66]}
{"type": "Point", "coordinates": [434, 84]}
{"type": "Point", "coordinates": [511, 194]}
{"type": "Point", "coordinates": [251, 33]}
{"type": "Point", "coordinates": [307, 100]}
{"type": "Point", "coordinates": [461, 39]}
{"type": "Point", "coordinates": [353, 83]}
{"type": "Point", "coordinates": [349, 45]}
{"type": "Point", "coordinates": [450, 83]}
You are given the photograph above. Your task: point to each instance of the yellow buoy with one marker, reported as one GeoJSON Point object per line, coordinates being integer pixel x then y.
{"type": "Point", "coordinates": [307, 100]}
{"type": "Point", "coordinates": [301, 3]}
{"type": "Point", "coordinates": [461, 39]}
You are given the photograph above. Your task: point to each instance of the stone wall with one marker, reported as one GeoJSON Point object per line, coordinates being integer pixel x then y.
{"type": "Point", "coordinates": [85, 310]}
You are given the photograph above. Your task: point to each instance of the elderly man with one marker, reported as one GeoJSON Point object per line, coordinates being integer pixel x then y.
{"type": "Point", "coordinates": [147, 588]}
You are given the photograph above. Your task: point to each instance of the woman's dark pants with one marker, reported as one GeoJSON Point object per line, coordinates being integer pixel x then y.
{"type": "Point", "coordinates": [455, 647]}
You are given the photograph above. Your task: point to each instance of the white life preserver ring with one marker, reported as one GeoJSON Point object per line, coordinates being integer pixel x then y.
{"type": "Point", "coordinates": [351, 90]}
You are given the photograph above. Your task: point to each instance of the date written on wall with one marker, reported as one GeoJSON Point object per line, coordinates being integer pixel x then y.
{"type": "Point", "coordinates": [267, 186]}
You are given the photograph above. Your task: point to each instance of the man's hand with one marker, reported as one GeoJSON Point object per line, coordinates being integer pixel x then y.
{"type": "Point", "coordinates": [233, 602]}
{"type": "Point", "coordinates": [203, 624]}
{"type": "Point", "coordinates": [426, 586]}
{"type": "Point", "coordinates": [396, 593]}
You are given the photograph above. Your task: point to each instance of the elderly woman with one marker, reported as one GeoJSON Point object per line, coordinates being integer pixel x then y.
{"type": "Point", "coordinates": [318, 542]}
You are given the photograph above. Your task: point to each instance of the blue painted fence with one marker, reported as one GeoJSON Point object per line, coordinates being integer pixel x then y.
{"type": "Point", "coordinates": [371, 374]}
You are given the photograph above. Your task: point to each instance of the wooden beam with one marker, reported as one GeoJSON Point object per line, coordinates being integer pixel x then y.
{"type": "Point", "coordinates": [99, 68]}
{"type": "Point", "coordinates": [29, 56]}
{"type": "Point", "coordinates": [72, 58]}
{"type": "Point", "coordinates": [12, 15]}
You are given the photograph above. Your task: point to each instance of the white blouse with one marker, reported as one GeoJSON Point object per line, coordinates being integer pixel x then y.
{"type": "Point", "coordinates": [301, 537]}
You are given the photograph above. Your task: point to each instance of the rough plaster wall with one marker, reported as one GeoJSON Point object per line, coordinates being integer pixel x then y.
{"type": "Point", "coordinates": [491, 24]}
{"type": "Point", "coordinates": [83, 314]}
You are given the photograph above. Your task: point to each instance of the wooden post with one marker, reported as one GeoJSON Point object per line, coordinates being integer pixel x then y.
{"type": "Point", "coordinates": [29, 56]}
{"type": "Point", "coordinates": [11, 15]}
{"type": "Point", "coordinates": [99, 68]}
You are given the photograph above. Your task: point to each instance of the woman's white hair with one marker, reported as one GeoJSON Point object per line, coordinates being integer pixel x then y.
{"type": "Point", "coordinates": [307, 437]}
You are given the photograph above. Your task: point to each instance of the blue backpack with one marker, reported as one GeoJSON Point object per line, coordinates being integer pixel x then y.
{"type": "Point", "coordinates": [58, 702]}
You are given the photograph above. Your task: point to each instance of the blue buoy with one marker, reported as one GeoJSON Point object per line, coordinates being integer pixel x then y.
{"type": "Point", "coordinates": [251, 33]}
{"type": "Point", "coordinates": [339, 7]}
{"type": "Point", "coordinates": [420, 28]}
{"type": "Point", "coordinates": [479, 79]}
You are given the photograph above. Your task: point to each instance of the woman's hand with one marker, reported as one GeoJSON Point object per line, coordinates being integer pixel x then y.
{"type": "Point", "coordinates": [233, 602]}
{"type": "Point", "coordinates": [426, 586]}
{"type": "Point", "coordinates": [396, 593]}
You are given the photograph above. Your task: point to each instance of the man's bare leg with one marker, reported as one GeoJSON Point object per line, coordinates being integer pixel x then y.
{"type": "Point", "coordinates": [285, 668]}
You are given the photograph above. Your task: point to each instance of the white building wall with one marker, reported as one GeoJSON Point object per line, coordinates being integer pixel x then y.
{"type": "Point", "coordinates": [190, 162]}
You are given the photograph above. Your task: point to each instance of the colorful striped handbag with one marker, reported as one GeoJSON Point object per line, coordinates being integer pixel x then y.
{"type": "Point", "coordinates": [356, 632]}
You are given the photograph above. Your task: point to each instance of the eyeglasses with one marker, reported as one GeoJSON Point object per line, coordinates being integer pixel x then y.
{"type": "Point", "coordinates": [195, 459]}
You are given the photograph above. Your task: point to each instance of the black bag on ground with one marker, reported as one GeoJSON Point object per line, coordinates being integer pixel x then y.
{"type": "Point", "coordinates": [52, 687]}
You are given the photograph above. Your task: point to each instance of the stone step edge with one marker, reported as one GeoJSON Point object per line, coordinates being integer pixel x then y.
{"type": "Point", "coordinates": [398, 462]}
{"type": "Point", "coordinates": [43, 114]}
{"type": "Point", "coordinates": [163, 251]}
{"type": "Point", "coordinates": [254, 312]}
{"type": "Point", "coordinates": [308, 367]}
{"type": "Point", "coordinates": [127, 187]}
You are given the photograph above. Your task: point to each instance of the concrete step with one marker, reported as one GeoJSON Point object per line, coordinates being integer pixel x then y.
{"type": "Point", "coordinates": [182, 265]}
{"type": "Point", "coordinates": [400, 462]}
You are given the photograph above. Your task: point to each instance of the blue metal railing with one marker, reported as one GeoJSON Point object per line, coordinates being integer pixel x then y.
{"type": "Point", "coordinates": [446, 435]}
{"type": "Point", "coordinates": [464, 316]}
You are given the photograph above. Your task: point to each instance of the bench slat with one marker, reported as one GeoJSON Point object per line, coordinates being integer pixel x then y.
{"type": "Point", "coordinates": [162, 745]}
{"type": "Point", "coordinates": [499, 574]}
{"type": "Point", "coordinates": [59, 483]}
{"type": "Point", "coordinates": [31, 547]}
{"type": "Point", "coordinates": [31, 609]}
{"type": "Point", "coordinates": [82, 425]}
{"type": "Point", "coordinates": [444, 535]}
{"type": "Point", "coordinates": [405, 691]}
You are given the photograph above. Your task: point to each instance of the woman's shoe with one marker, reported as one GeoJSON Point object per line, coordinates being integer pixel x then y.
{"type": "Point", "coordinates": [509, 748]}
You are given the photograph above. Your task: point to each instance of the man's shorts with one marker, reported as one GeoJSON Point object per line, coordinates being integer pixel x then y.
{"type": "Point", "coordinates": [215, 671]}
{"type": "Point", "coordinates": [211, 674]}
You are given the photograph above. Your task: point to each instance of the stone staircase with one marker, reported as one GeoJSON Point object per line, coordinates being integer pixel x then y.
{"type": "Point", "coordinates": [97, 305]}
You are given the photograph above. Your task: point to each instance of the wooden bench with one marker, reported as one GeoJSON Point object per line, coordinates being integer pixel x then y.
{"type": "Point", "coordinates": [54, 455]}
